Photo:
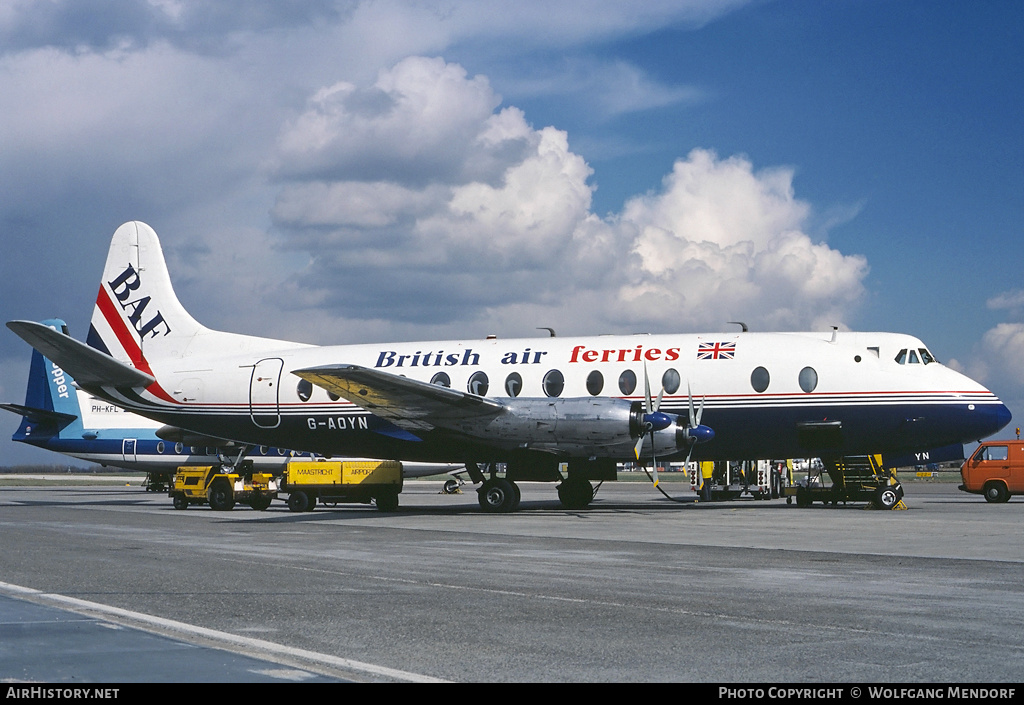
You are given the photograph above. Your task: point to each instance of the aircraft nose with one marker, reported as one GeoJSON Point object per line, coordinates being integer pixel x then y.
{"type": "Point", "coordinates": [988, 419]}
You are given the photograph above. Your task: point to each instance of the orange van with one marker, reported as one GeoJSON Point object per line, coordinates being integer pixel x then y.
{"type": "Point", "coordinates": [995, 470]}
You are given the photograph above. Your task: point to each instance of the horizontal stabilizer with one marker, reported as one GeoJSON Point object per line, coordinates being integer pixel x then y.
{"type": "Point", "coordinates": [39, 415]}
{"type": "Point", "coordinates": [405, 402]}
{"type": "Point", "coordinates": [88, 366]}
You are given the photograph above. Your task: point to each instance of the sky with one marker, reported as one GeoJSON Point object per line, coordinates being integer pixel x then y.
{"type": "Point", "coordinates": [339, 172]}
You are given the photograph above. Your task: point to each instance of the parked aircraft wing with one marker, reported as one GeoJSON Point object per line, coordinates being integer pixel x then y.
{"type": "Point", "coordinates": [86, 365]}
{"type": "Point", "coordinates": [407, 403]}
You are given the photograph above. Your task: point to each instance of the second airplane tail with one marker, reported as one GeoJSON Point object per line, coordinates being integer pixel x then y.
{"type": "Point", "coordinates": [51, 400]}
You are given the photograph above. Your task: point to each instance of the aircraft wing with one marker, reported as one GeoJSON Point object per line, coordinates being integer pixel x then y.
{"type": "Point", "coordinates": [88, 366]}
{"type": "Point", "coordinates": [407, 403]}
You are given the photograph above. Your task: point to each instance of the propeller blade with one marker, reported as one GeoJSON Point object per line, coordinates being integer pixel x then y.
{"type": "Point", "coordinates": [696, 432]}
{"type": "Point", "coordinates": [653, 420]}
{"type": "Point", "coordinates": [647, 391]}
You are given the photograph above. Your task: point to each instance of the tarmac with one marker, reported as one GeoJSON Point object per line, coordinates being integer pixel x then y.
{"type": "Point", "coordinates": [110, 584]}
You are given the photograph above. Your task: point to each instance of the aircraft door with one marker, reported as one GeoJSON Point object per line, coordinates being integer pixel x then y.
{"type": "Point", "coordinates": [128, 450]}
{"type": "Point", "coordinates": [264, 396]}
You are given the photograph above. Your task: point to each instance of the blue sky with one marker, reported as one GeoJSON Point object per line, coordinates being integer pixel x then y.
{"type": "Point", "coordinates": [595, 167]}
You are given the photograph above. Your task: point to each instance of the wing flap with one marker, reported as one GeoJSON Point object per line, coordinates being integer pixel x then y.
{"type": "Point", "coordinates": [407, 403]}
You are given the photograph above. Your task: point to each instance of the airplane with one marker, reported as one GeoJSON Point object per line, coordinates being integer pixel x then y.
{"type": "Point", "coordinates": [60, 417]}
{"type": "Point", "coordinates": [526, 405]}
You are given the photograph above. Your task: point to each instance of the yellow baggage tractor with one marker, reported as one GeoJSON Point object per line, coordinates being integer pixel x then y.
{"type": "Point", "coordinates": [307, 482]}
{"type": "Point", "coordinates": [222, 487]}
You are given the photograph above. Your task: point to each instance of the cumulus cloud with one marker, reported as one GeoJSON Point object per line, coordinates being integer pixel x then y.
{"type": "Point", "coordinates": [999, 358]}
{"type": "Point", "coordinates": [425, 174]}
{"type": "Point", "coordinates": [423, 120]}
{"type": "Point", "coordinates": [721, 241]}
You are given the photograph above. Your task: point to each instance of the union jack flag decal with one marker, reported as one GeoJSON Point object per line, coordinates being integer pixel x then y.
{"type": "Point", "coordinates": [716, 351]}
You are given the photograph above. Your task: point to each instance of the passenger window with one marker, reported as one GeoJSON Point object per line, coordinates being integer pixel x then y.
{"type": "Point", "coordinates": [304, 389]}
{"type": "Point", "coordinates": [478, 384]}
{"type": "Point", "coordinates": [901, 357]}
{"type": "Point", "coordinates": [160, 447]}
{"type": "Point", "coordinates": [595, 383]}
{"type": "Point", "coordinates": [808, 379]}
{"type": "Point", "coordinates": [553, 383]}
{"type": "Point", "coordinates": [670, 381]}
{"type": "Point", "coordinates": [627, 382]}
{"type": "Point", "coordinates": [514, 384]}
{"type": "Point", "coordinates": [760, 379]}
{"type": "Point", "coordinates": [441, 379]}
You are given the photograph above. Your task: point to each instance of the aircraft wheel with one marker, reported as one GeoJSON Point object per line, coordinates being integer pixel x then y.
{"type": "Point", "coordinates": [996, 493]}
{"type": "Point", "coordinates": [222, 499]}
{"type": "Point", "coordinates": [451, 486]}
{"type": "Point", "coordinates": [180, 501]}
{"type": "Point", "coordinates": [497, 495]}
{"type": "Point", "coordinates": [575, 493]}
{"type": "Point", "coordinates": [298, 502]}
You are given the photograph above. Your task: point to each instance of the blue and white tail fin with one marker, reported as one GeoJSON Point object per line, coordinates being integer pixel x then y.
{"type": "Point", "coordinates": [51, 399]}
{"type": "Point", "coordinates": [138, 318]}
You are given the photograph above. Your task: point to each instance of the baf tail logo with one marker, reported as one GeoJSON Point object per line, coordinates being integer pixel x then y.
{"type": "Point", "coordinates": [123, 287]}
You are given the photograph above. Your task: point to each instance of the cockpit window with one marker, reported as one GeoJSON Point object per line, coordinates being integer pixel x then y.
{"type": "Point", "coordinates": [906, 356]}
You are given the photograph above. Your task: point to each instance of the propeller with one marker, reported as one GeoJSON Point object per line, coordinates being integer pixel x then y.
{"type": "Point", "coordinates": [651, 421]}
{"type": "Point", "coordinates": [654, 420]}
{"type": "Point", "coordinates": [696, 432]}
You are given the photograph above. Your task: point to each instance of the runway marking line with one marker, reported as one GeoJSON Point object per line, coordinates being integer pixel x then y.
{"type": "Point", "coordinates": [162, 626]}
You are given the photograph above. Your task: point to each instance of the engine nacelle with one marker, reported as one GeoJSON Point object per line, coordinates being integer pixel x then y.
{"type": "Point", "coordinates": [580, 427]}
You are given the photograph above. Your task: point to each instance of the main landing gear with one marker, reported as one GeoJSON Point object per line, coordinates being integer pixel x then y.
{"type": "Point", "coordinates": [501, 495]}
{"type": "Point", "coordinates": [495, 494]}
{"type": "Point", "coordinates": [575, 493]}
{"type": "Point", "coordinates": [498, 495]}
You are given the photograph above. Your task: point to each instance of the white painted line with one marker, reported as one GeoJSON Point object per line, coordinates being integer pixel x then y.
{"type": "Point", "coordinates": [168, 625]}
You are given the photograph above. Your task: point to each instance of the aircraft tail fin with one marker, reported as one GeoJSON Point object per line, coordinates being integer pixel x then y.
{"type": "Point", "coordinates": [138, 318]}
{"type": "Point", "coordinates": [51, 400]}
{"type": "Point", "coordinates": [137, 314]}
